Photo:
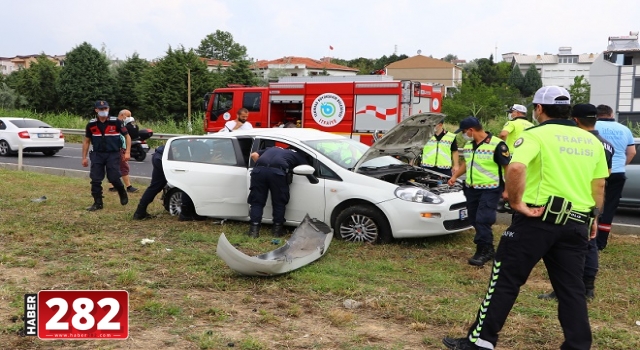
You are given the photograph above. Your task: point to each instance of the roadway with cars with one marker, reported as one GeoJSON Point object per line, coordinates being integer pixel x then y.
{"type": "Point", "coordinates": [626, 220]}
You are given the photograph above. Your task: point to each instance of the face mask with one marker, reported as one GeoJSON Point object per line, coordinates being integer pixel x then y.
{"type": "Point", "coordinates": [438, 131]}
{"type": "Point", "coordinates": [103, 113]}
{"type": "Point", "coordinates": [534, 117]}
{"type": "Point", "coordinates": [510, 117]}
{"type": "Point", "coordinates": [467, 137]}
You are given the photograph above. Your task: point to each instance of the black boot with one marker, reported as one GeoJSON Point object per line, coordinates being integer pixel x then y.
{"type": "Point", "coordinates": [548, 296]}
{"type": "Point", "coordinates": [277, 230]}
{"type": "Point", "coordinates": [483, 254]}
{"type": "Point", "coordinates": [97, 203]}
{"type": "Point", "coordinates": [461, 344]}
{"type": "Point", "coordinates": [254, 230]}
{"type": "Point", "coordinates": [589, 286]}
{"type": "Point", "coordinates": [122, 193]}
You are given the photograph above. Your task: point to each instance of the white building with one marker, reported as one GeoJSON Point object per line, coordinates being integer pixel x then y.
{"type": "Point", "coordinates": [559, 69]}
{"type": "Point", "coordinates": [615, 77]}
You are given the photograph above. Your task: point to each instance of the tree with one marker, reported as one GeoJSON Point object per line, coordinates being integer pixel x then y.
{"type": "Point", "coordinates": [450, 57]}
{"type": "Point", "coordinates": [84, 79]}
{"type": "Point", "coordinates": [580, 90]}
{"type": "Point", "coordinates": [516, 79]}
{"type": "Point", "coordinates": [476, 98]}
{"type": "Point", "coordinates": [220, 46]}
{"type": "Point", "coordinates": [532, 81]}
{"type": "Point", "coordinates": [128, 77]}
{"type": "Point", "coordinates": [163, 87]}
{"type": "Point", "coordinates": [8, 97]}
{"type": "Point", "coordinates": [38, 84]}
{"type": "Point", "coordinates": [240, 73]}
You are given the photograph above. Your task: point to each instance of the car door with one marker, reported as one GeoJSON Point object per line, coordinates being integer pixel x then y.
{"type": "Point", "coordinates": [212, 171]}
{"type": "Point", "coordinates": [305, 197]}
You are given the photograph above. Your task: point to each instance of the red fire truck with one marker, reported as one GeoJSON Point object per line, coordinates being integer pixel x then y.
{"type": "Point", "coordinates": [355, 106]}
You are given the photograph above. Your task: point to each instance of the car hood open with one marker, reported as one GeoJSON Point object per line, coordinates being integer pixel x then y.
{"type": "Point", "coordinates": [405, 139]}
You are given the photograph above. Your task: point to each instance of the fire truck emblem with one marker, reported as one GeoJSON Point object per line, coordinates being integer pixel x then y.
{"type": "Point", "coordinates": [328, 110]}
{"type": "Point", "coordinates": [379, 112]}
{"type": "Point", "coordinates": [435, 104]}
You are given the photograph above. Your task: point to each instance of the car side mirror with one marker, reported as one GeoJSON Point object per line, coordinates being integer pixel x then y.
{"type": "Point", "coordinates": [304, 170]}
{"type": "Point", "coordinates": [308, 171]}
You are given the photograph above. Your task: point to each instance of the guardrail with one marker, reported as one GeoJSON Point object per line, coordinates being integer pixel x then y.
{"type": "Point", "coordinates": [154, 137]}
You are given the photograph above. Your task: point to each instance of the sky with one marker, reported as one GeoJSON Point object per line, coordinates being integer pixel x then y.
{"type": "Point", "coordinates": [274, 29]}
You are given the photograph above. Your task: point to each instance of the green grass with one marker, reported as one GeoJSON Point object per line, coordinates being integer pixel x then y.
{"type": "Point", "coordinates": [182, 296]}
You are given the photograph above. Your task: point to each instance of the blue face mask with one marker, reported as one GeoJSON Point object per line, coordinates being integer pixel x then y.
{"type": "Point", "coordinates": [103, 113]}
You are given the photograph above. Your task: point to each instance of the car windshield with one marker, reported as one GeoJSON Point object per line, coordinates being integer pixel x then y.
{"type": "Point", "coordinates": [346, 152]}
{"type": "Point", "coordinates": [29, 123]}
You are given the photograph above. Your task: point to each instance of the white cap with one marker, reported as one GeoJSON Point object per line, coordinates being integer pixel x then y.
{"type": "Point", "coordinates": [547, 95]}
{"type": "Point", "coordinates": [519, 108]}
{"type": "Point", "coordinates": [128, 120]}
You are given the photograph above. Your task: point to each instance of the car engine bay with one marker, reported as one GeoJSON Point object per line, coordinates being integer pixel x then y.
{"type": "Point", "coordinates": [408, 175]}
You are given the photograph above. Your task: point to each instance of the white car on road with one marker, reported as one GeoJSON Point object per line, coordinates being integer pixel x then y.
{"type": "Point", "coordinates": [365, 193]}
{"type": "Point", "coordinates": [32, 134]}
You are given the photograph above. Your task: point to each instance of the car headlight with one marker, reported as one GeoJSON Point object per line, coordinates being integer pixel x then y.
{"type": "Point", "coordinates": [414, 194]}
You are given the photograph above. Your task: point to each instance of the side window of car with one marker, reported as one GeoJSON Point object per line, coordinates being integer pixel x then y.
{"type": "Point", "coordinates": [3, 126]}
{"type": "Point", "coordinates": [204, 150]}
{"type": "Point", "coordinates": [326, 173]}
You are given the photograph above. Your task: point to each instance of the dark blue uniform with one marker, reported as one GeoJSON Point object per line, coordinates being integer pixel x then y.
{"type": "Point", "coordinates": [158, 182]}
{"type": "Point", "coordinates": [106, 143]}
{"type": "Point", "coordinates": [591, 264]}
{"type": "Point", "coordinates": [270, 174]}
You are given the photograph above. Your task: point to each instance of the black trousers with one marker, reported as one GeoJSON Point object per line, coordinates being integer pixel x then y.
{"type": "Point", "coordinates": [158, 182]}
{"type": "Point", "coordinates": [101, 163]}
{"type": "Point", "coordinates": [263, 181]}
{"type": "Point", "coordinates": [612, 194]}
{"type": "Point", "coordinates": [522, 245]}
{"type": "Point", "coordinates": [482, 206]}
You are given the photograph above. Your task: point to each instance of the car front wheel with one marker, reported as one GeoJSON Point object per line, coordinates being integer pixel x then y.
{"type": "Point", "coordinates": [173, 201]}
{"type": "Point", "coordinates": [363, 223]}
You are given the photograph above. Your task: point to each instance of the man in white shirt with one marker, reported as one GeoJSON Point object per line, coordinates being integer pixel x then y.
{"type": "Point", "coordinates": [240, 122]}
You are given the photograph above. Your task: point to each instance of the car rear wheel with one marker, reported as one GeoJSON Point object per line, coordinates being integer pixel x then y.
{"type": "Point", "coordinates": [173, 201]}
{"type": "Point", "coordinates": [5, 149]}
{"type": "Point", "coordinates": [363, 223]}
{"type": "Point", "coordinates": [49, 153]}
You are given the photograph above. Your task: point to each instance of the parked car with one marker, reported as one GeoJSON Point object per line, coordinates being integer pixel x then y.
{"type": "Point", "coordinates": [631, 190]}
{"type": "Point", "coordinates": [365, 193]}
{"type": "Point", "coordinates": [34, 136]}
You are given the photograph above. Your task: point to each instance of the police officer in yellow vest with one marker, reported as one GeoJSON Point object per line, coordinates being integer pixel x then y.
{"type": "Point", "coordinates": [485, 159]}
{"type": "Point", "coordinates": [515, 126]}
{"type": "Point", "coordinates": [555, 183]}
{"type": "Point", "coordinates": [441, 151]}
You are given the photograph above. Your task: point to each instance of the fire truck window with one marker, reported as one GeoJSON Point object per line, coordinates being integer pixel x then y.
{"type": "Point", "coordinates": [221, 104]}
{"type": "Point", "coordinates": [251, 101]}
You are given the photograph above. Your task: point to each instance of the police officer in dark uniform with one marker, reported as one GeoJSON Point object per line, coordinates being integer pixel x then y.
{"type": "Point", "coordinates": [158, 182]}
{"type": "Point", "coordinates": [555, 183]}
{"type": "Point", "coordinates": [584, 114]}
{"type": "Point", "coordinates": [103, 133]}
{"type": "Point", "coordinates": [270, 174]}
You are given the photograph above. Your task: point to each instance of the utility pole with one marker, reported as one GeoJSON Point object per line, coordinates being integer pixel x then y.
{"type": "Point", "coordinates": [189, 128]}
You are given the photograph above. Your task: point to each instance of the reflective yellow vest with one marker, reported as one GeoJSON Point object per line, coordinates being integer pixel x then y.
{"type": "Point", "coordinates": [436, 153]}
{"type": "Point", "coordinates": [482, 171]}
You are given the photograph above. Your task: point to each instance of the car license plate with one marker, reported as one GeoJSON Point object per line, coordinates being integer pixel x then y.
{"type": "Point", "coordinates": [45, 136]}
{"type": "Point", "coordinates": [463, 214]}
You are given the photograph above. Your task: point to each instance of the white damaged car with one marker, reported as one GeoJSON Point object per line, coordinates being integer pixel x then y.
{"type": "Point", "coordinates": [365, 193]}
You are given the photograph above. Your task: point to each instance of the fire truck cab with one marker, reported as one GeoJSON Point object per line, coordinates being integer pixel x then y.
{"type": "Point", "coordinates": [356, 106]}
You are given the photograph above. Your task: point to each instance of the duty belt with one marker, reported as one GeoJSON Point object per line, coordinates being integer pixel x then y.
{"type": "Point", "coordinates": [275, 166]}
{"type": "Point", "coordinates": [577, 216]}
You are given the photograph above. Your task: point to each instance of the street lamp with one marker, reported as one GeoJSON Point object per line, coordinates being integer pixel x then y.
{"type": "Point", "coordinates": [189, 127]}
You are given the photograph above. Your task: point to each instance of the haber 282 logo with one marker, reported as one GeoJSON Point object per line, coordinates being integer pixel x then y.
{"type": "Point", "coordinates": [328, 110]}
{"type": "Point", "coordinates": [77, 314]}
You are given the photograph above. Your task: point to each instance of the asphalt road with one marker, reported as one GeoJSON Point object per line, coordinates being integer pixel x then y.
{"type": "Point", "coordinates": [626, 221]}
{"type": "Point", "coordinates": [70, 157]}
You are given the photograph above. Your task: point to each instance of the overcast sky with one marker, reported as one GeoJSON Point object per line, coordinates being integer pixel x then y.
{"type": "Point", "coordinates": [355, 28]}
